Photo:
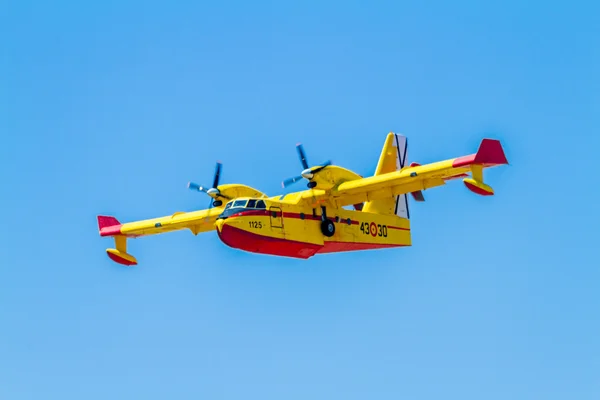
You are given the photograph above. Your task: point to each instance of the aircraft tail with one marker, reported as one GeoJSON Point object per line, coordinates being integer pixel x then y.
{"type": "Point", "coordinates": [394, 156]}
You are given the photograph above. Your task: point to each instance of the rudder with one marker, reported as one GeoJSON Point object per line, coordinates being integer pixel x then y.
{"type": "Point", "coordinates": [394, 156]}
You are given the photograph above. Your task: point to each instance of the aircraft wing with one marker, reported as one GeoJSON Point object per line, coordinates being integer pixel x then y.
{"type": "Point", "coordinates": [416, 177]}
{"type": "Point", "coordinates": [195, 221]}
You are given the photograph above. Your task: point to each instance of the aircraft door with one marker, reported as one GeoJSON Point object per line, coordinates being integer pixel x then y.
{"type": "Point", "coordinates": [276, 217]}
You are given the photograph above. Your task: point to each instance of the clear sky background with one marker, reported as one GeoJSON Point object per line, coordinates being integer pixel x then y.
{"type": "Point", "coordinates": [112, 107]}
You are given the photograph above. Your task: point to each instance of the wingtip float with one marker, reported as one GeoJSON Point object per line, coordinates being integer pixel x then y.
{"type": "Point", "coordinates": [110, 226]}
{"type": "Point", "coordinates": [339, 211]}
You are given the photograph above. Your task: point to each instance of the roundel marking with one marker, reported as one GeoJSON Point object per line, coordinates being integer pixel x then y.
{"type": "Point", "coordinates": [373, 229]}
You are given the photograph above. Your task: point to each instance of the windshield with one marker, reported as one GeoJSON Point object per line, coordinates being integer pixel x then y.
{"type": "Point", "coordinates": [239, 203]}
{"type": "Point", "coordinates": [234, 205]}
{"type": "Point", "coordinates": [252, 203]}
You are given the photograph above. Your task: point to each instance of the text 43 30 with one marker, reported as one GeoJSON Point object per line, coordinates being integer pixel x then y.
{"type": "Point", "coordinates": [374, 229]}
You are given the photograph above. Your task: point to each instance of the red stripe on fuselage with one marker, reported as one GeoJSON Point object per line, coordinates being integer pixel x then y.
{"type": "Point", "coordinates": [309, 217]}
{"type": "Point", "coordinates": [251, 213]}
{"type": "Point", "coordinates": [299, 216]}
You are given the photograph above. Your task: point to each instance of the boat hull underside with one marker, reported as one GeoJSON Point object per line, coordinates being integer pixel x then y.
{"type": "Point", "coordinates": [243, 239]}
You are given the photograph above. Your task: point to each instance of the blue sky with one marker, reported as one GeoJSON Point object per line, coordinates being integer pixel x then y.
{"type": "Point", "coordinates": [112, 107]}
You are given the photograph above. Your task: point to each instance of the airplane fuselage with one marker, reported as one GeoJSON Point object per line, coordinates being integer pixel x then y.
{"type": "Point", "coordinates": [294, 231]}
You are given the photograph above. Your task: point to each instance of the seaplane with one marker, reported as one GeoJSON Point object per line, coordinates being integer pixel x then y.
{"type": "Point", "coordinates": [339, 211]}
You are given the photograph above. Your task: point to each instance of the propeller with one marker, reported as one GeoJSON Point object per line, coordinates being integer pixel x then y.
{"type": "Point", "coordinates": [213, 191]}
{"type": "Point", "coordinates": [308, 172]}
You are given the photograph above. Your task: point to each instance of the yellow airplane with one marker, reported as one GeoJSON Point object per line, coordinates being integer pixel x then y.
{"type": "Point", "coordinates": [340, 210]}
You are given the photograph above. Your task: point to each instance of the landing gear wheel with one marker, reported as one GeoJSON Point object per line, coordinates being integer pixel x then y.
{"type": "Point", "coordinates": [311, 184]}
{"type": "Point", "coordinates": [217, 203]}
{"type": "Point", "coordinates": [328, 228]}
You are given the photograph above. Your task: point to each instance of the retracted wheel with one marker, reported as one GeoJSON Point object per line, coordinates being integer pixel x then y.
{"type": "Point", "coordinates": [328, 228]}
{"type": "Point", "coordinates": [217, 203]}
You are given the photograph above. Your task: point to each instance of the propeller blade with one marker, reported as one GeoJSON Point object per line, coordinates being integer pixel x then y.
{"type": "Point", "coordinates": [320, 167]}
{"type": "Point", "coordinates": [302, 155]}
{"type": "Point", "coordinates": [210, 205]}
{"type": "Point", "coordinates": [290, 181]}
{"type": "Point", "coordinates": [217, 175]}
{"type": "Point", "coordinates": [195, 186]}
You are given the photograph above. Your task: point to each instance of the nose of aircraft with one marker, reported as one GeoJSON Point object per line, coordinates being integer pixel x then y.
{"type": "Point", "coordinates": [219, 224]}
{"type": "Point", "coordinates": [230, 233]}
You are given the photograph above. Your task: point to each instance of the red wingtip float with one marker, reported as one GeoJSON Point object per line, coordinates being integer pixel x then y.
{"type": "Point", "coordinates": [316, 220]}
{"type": "Point", "coordinates": [489, 154]}
{"type": "Point", "coordinates": [110, 226]}
{"type": "Point", "coordinates": [121, 258]}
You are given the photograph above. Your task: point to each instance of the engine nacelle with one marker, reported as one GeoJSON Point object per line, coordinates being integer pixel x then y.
{"type": "Point", "coordinates": [478, 187]}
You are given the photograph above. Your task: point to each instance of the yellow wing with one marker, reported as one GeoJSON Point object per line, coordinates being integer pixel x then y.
{"type": "Point", "coordinates": [195, 221]}
{"type": "Point", "coordinates": [414, 178]}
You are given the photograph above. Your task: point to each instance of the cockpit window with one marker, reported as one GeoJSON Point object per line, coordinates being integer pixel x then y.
{"type": "Point", "coordinates": [252, 203]}
{"type": "Point", "coordinates": [235, 207]}
{"type": "Point", "coordinates": [239, 203]}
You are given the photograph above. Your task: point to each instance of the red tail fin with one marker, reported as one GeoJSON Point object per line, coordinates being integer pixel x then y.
{"type": "Point", "coordinates": [108, 226]}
